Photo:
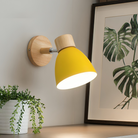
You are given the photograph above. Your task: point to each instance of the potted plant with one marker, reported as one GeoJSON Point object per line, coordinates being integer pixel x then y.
{"type": "Point", "coordinates": [22, 101]}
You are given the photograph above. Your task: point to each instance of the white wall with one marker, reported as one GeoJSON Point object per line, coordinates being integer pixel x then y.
{"type": "Point", "coordinates": [19, 22]}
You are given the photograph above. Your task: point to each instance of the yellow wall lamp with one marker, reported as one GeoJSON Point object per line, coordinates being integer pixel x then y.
{"type": "Point", "coordinates": [72, 67]}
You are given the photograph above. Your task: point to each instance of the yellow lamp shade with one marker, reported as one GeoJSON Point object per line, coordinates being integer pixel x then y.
{"type": "Point", "coordinates": [73, 69]}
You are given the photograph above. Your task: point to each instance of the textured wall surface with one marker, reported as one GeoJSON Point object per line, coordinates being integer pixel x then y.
{"type": "Point", "coordinates": [19, 22]}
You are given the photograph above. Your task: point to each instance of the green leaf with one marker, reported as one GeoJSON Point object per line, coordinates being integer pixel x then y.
{"type": "Point", "coordinates": [127, 79]}
{"type": "Point", "coordinates": [134, 92]}
{"type": "Point", "coordinates": [135, 64]}
{"type": "Point", "coordinates": [121, 69]}
{"type": "Point", "coordinates": [121, 86]}
{"type": "Point", "coordinates": [134, 24]}
{"type": "Point", "coordinates": [115, 44]}
{"type": "Point", "coordinates": [127, 90]}
{"type": "Point", "coordinates": [118, 78]}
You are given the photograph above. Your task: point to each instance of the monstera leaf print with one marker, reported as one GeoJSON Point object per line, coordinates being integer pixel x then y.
{"type": "Point", "coordinates": [115, 44]}
{"type": "Point", "coordinates": [127, 79]}
{"type": "Point", "coordinates": [134, 31]}
{"type": "Point", "coordinates": [134, 24]}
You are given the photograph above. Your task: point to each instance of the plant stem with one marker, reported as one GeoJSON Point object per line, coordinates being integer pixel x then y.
{"type": "Point", "coordinates": [120, 103]}
{"type": "Point", "coordinates": [125, 102]}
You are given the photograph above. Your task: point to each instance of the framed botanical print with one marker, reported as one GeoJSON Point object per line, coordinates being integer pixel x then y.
{"type": "Point", "coordinates": [112, 97]}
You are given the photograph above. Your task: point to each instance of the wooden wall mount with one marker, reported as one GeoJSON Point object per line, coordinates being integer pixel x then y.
{"type": "Point", "coordinates": [35, 49]}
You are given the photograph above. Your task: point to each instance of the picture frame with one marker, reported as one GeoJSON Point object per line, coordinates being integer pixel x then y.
{"type": "Point", "coordinates": [95, 111]}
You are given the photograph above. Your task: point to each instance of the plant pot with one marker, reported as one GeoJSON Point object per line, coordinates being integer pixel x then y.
{"type": "Point", "coordinates": [6, 114]}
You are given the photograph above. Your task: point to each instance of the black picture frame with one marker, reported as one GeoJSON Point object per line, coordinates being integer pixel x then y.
{"type": "Point", "coordinates": [88, 120]}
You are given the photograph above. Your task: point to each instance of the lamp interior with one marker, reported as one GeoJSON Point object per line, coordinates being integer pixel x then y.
{"type": "Point", "coordinates": [76, 80]}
